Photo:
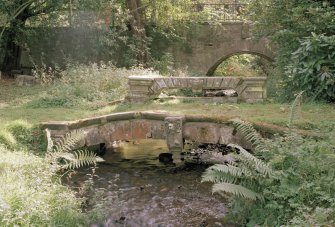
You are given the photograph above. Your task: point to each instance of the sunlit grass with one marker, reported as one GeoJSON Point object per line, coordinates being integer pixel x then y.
{"type": "Point", "coordinates": [31, 195]}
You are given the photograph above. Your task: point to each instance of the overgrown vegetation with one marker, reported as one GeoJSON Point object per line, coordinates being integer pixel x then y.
{"type": "Point", "coordinates": [31, 192]}
{"type": "Point", "coordinates": [85, 85]}
{"type": "Point", "coordinates": [290, 177]}
{"type": "Point", "coordinates": [65, 153]}
{"type": "Point", "coordinates": [303, 32]}
{"type": "Point", "coordinates": [286, 181]}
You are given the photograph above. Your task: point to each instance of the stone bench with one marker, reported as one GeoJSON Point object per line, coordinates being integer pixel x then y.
{"type": "Point", "coordinates": [249, 89]}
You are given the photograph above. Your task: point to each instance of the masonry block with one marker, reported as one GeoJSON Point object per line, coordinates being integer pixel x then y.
{"type": "Point", "coordinates": [202, 132]}
{"type": "Point", "coordinates": [174, 133]}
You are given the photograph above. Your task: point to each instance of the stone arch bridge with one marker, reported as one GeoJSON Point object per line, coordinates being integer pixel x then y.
{"type": "Point", "coordinates": [175, 129]}
{"type": "Point", "coordinates": [210, 45]}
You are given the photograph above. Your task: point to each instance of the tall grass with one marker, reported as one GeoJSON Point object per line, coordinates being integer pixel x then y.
{"type": "Point", "coordinates": [32, 195]}
{"type": "Point", "coordinates": [85, 85]}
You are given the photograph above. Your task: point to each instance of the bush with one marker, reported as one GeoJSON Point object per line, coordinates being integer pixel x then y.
{"type": "Point", "coordinates": [312, 68]}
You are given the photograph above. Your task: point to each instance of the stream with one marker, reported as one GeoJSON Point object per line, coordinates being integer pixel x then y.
{"type": "Point", "coordinates": [135, 189]}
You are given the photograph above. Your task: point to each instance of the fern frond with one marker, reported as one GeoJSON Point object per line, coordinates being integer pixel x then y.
{"type": "Point", "coordinates": [295, 109]}
{"type": "Point", "coordinates": [250, 134]}
{"type": "Point", "coordinates": [232, 170]}
{"type": "Point", "coordinates": [69, 141]}
{"type": "Point", "coordinates": [80, 158]}
{"type": "Point", "coordinates": [236, 190]}
{"type": "Point", "coordinates": [63, 156]}
{"type": "Point", "coordinates": [253, 162]}
{"type": "Point", "coordinates": [215, 176]}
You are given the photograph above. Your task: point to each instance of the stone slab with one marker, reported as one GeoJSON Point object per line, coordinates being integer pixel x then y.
{"type": "Point", "coordinates": [202, 132]}
{"type": "Point", "coordinates": [140, 129]}
{"type": "Point", "coordinates": [93, 136]}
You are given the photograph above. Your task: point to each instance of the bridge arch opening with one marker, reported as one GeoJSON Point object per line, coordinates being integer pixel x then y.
{"type": "Point", "coordinates": [237, 57]}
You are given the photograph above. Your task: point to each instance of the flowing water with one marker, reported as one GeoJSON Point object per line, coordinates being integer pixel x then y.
{"type": "Point", "coordinates": [138, 190]}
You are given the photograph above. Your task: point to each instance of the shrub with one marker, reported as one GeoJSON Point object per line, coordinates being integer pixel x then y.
{"type": "Point", "coordinates": [312, 68]}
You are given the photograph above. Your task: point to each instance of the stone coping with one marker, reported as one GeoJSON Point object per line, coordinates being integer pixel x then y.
{"type": "Point", "coordinates": [124, 116]}
{"type": "Point", "coordinates": [145, 77]}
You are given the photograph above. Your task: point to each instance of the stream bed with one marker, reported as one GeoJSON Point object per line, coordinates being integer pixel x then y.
{"type": "Point", "coordinates": [135, 189]}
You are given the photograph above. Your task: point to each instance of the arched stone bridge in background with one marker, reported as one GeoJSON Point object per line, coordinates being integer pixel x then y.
{"type": "Point", "coordinates": [175, 129]}
{"type": "Point", "coordinates": [210, 45]}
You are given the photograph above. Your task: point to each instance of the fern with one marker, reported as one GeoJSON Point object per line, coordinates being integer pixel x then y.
{"type": "Point", "coordinates": [79, 159]}
{"type": "Point", "coordinates": [250, 134]}
{"type": "Point", "coordinates": [252, 161]}
{"type": "Point", "coordinates": [70, 141]}
{"type": "Point", "coordinates": [243, 178]}
{"type": "Point", "coordinates": [64, 156]}
{"type": "Point", "coordinates": [236, 190]}
{"type": "Point", "coordinates": [295, 109]}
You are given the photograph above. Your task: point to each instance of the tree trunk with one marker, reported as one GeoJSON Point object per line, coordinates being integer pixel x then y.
{"type": "Point", "coordinates": [12, 51]}
{"type": "Point", "coordinates": [11, 46]}
{"type": "Point", "coordinates": [137, 27]}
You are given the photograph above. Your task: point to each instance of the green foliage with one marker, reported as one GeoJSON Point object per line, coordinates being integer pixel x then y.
{"type": "Point", "coordinates": [31, 195]}
{"type": "Point", "coordinates": [301, 56]}
{"type": "Point", "coordinates": [295, 108]}
{"type": "Point", "coordinates": [295, 180]}
{"type": "Point", "coordinates": [7, 139]}
{"type": "Point", "coordinates": [21, 135]}
{"type": "Point", "coordinates": [83, 85]}
{"type": "Point", "coordinates": [244, 65]}
{"type": "Point", "coordinates": [164, 65]}
{"type": "Point", "coordinates": [236, 190]}
{"type": "Point", "coordinates": [242, 177]}
{"type": "Point", "coordinates": [312, 68]}
{"type": "Point", "coordinates": [63, 155]}
{"type": "Point", "coordinates": [249, 133]}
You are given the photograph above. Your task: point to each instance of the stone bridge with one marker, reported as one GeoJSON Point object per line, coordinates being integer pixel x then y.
{"type": "Point", "coordinates": [206, 46]}
{"type": "Point", "coordinates": [175, 129]}
{"type": "Point", "coordinates": [210, 45]}
{"type": "Point", "coordinates": [248, 89]}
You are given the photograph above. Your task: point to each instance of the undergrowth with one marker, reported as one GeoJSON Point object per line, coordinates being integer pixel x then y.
{"type": "Point", "coordinates": [87, 85]}
{"type": "Point", "coordinates": [297, 188]}
{"type": "Point", "coordinates": [32, 195]}
{"type": "Point", "coordinates": [31, 192]}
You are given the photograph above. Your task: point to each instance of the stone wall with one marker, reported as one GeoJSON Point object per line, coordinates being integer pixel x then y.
{"type": "Point", "coordinates": [249, 89]}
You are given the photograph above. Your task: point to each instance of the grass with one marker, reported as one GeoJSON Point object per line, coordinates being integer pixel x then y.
{"type": "Point", "coordinates": [34, 196]}
{"type": "Point", "coordinates": [13, 106]}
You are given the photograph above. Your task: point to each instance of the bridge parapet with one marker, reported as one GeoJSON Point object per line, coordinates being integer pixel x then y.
{"type": "Point", "coordinates": [175, 129]}
{"type": "Point", "coordinates": [249, 89]}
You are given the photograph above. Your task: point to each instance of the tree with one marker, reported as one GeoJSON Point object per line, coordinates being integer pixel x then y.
{"type": "Point", "coordinates": [288, 24]}
{"type": "Point", "coordinates": [137, 25]}
{"type": "Point", "coordinates": [17, 13]}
